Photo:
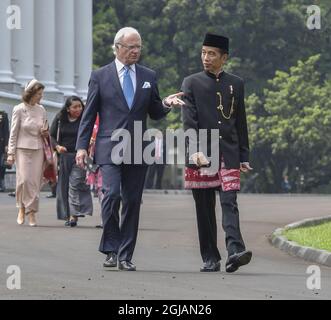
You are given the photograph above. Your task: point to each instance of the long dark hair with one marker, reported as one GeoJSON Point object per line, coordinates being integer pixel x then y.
{"type": "Point", "coordinates": [63, 114]}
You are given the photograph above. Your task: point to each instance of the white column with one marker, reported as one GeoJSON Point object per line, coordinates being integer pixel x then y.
{"type": "Point", "coordinates": [23, 42]}
{"type": "Point", "coordinates": [84, 44]}
{"type": "Point", "coordinates": [6, 74]}
{"type": "Point", "coordinates": [65, 46]}
{"type": "Point", "coordinates": [45, 43]}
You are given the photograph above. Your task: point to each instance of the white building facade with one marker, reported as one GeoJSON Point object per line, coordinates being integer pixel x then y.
{"type": "Point", "coordinates": [50, 40]}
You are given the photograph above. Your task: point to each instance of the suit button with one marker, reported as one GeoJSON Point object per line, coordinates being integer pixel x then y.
{"type": "Point", "coordinates": [219, 122]}
{"type": "Point", "coordinates": [221, 137]}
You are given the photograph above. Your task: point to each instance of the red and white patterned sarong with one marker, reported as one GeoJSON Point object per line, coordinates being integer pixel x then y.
{"type": "Point", "coordinates": [227, 179]}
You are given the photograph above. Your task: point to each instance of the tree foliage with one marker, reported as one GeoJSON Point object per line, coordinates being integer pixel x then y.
{"type": "Point", "coordinates": [290, 128]}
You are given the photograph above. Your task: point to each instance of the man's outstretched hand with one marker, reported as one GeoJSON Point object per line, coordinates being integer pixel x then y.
{"type": "Point", "coordinates": [199, 159]}
{"type": "Point", "coordinates": [245, 167]}
{"type": "Point", "coordinates": [174, 101]}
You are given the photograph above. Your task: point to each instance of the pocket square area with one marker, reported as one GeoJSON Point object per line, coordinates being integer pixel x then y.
{"type": "Point", "coordinates": [146, 85]}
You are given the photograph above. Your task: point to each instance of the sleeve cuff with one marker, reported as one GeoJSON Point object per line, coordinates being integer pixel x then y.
{"type": "Point", "coordinates": [165, 105]}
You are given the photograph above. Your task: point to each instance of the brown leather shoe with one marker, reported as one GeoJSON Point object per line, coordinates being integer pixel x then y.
{"type": "Point", "coordinates": [21, 216]}
{"type": "Point", "coordinates": [32, 219]}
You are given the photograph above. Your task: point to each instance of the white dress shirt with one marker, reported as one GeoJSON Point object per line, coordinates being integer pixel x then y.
{"type": "Point", "coordinates": [121, 70]}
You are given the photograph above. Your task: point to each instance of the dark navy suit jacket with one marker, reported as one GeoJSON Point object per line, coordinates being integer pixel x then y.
{"type": "Point", "coordinates": [105, 96]}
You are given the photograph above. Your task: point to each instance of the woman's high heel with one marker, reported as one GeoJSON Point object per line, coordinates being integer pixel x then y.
{"type": "Point", "coordinates": [21, 216]}
{"type": "Point", "coordinates": [32, 219]}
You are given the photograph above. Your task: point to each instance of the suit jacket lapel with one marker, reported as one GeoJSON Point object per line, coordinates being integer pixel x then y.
{"type": "Point", "coordinates": [139, 84]}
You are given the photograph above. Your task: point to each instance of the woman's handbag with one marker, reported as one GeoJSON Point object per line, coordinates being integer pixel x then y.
{"type": "Point", "coordinates": [50, 169]}
{"type": "Point", "coordinates": [55, 154]}
{"type": "Point", "coordinates": [48, 151]}
{"type": "Point", "coordinates": [3, 161]}
{"type": "Point", "coordinates": [50, 174]}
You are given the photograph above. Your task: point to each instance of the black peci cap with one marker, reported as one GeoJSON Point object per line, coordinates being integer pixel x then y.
{"type": "Point", "coordinates": [214, 40]}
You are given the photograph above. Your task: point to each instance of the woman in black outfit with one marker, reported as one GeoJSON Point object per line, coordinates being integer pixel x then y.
{"type": "Point", "coordinates": [73, 197]}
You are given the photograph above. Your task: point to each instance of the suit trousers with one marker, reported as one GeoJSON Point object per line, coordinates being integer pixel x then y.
{"type": "Point", "coordinates": [205, 200]}
{"type": "Point", "coordinates": [154, 176]}
{"type": "Point", "coordinates": [121, 183]}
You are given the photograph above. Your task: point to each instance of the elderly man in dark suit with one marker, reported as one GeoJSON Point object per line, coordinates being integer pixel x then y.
{"type": "Point", "coordinates": [214, 101]}
{"type": "Point", "coordinates": [123, 93]}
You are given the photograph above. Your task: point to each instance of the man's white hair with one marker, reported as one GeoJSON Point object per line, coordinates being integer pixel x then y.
{"type": "Point", "coordinates": [123, 33]}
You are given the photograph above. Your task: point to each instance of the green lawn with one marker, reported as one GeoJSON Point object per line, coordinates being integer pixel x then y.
{"type": "Point", "coordinates": [318, 237]}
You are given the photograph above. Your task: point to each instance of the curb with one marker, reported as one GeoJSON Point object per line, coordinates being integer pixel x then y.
{"type": "Point", "coordinates": [283, 195]}
{"type": "Point", "coordinates": [307, 253]}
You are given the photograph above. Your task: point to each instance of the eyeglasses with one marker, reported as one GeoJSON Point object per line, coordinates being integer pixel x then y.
{"type": "Point", "coordinates": [131, 47]}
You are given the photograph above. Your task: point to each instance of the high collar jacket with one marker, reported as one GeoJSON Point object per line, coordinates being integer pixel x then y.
{"type": "Point", "coordinates": [217, 103]}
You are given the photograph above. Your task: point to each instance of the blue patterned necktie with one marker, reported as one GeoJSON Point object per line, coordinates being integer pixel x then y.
{"type": "Point", "coordinates": [128, 87]}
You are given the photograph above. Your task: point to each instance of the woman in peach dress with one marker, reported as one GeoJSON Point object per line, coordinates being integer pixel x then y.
{"type": "Point", "coordinates": [25, 149]}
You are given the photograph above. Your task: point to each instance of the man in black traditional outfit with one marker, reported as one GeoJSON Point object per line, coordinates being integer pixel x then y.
{"type": "Point", "coordinates": [214, 100]}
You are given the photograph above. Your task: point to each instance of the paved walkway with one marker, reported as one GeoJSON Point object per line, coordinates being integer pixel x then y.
{"type": "Point", "coordinates": [63, 263]}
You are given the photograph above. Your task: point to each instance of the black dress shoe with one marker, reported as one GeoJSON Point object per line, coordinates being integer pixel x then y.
{"type": "Point", "coordinates": [237, 260]}
{"type": "Point", "coordinates": [73, 223]}
{"type": "Point", "coordinates": [111, 260]}
{"type": "Point", "coordinates": [70, 223]}
{"type": "Point", "coordinates": [126, 266]}
{"type": "Point", "coordinates": [211, 266]}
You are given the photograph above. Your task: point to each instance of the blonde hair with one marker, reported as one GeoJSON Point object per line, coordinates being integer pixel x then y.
{"type": "Point", "coordinates": [31, 89]}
